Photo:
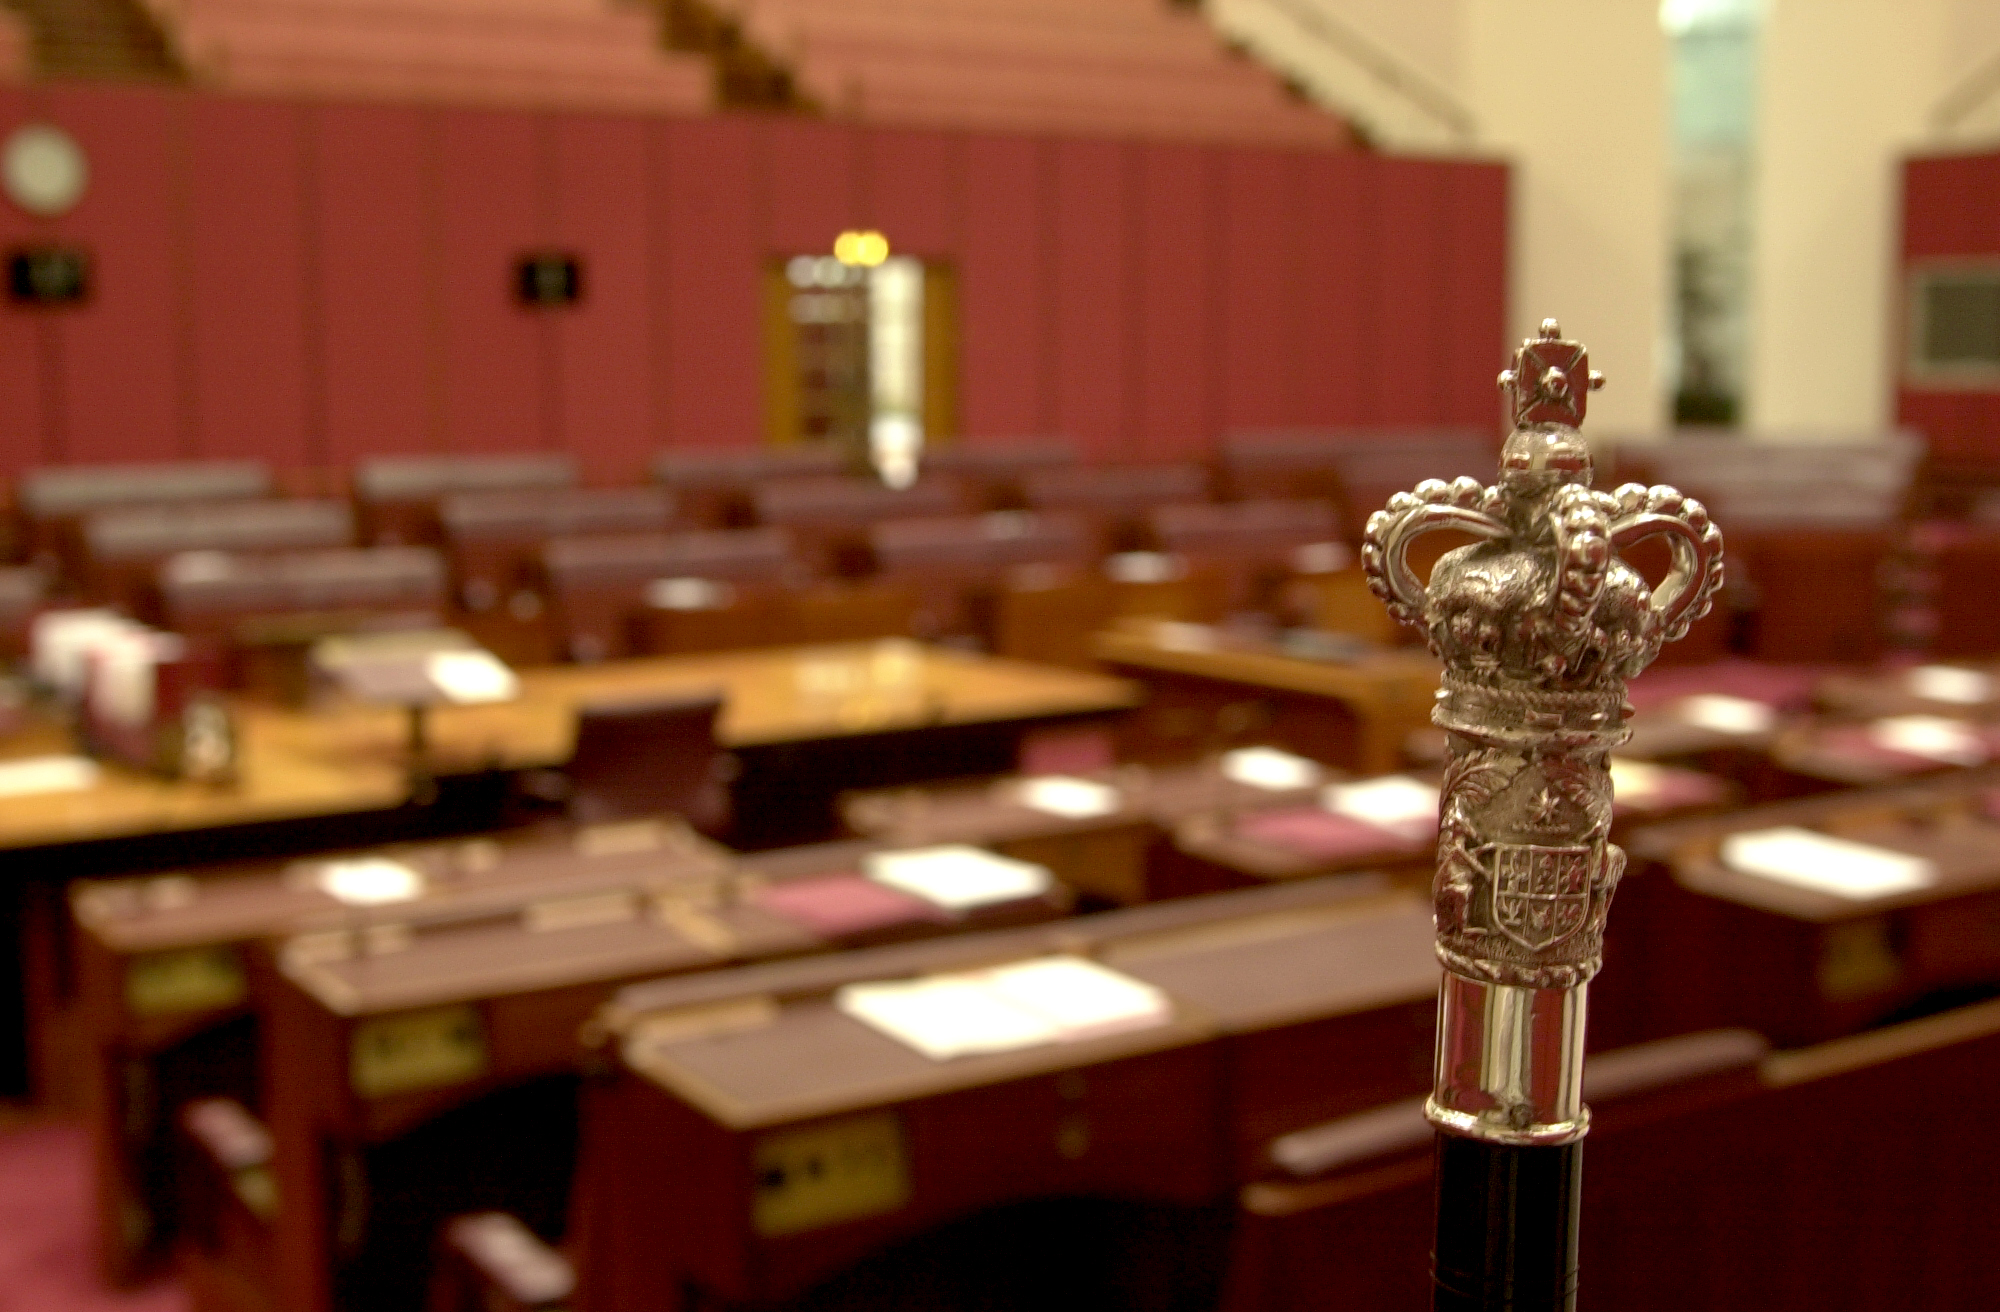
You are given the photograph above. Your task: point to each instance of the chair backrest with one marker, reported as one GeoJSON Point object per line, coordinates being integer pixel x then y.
{"type": "Point", "coordinates": [398, 495]}
{"type": "Point", "coordinates": [53, 500]}
{"type": "Point", "coordinates": [995, 469]}
{"type": "Point", "coordinates": [646, 758]}
{"type": "Point", "coordinates": [949, 561]}
{"type": "Point", "coordinates": [123, 548]}
{"type": "Point", "coordinates": [1116, 497]}
{"type": "Point", "coordinates": [495, 538]}
{"type": "Point", "coordinates": [1293, 463]}
{"type": "Point", "coordinates": [830, 517]}
{"type": "Point", "coordinates": [211, 591]}
{"type": "Point", "coordinates": [715, 484]}
{"type": "Point", "coordinates": [596, 585]}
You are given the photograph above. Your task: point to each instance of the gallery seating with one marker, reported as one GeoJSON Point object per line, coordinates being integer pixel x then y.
{"type": "Point", "coordinates": [397, 496]}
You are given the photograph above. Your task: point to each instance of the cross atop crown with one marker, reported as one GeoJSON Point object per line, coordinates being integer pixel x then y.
{"type": "Point", "coordinates": [1551, 380]}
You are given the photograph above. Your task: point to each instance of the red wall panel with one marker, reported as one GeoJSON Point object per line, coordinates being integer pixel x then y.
{"type": "Point", "coordinates": [810, 185]}
{"type": "Point", "coordinates": [1413, 300]}
{"type": "Point", "coordinates": [1948, 210]}
{"type": "Point", "coordinates": [125, 390]}
{"type": "Point", "coordinates": [28, 423]}
{"type": "Point", "coordinates": [247, 183]}
{"type": "Point", "coordinates": [1473, 305]}
{"type": "Point", "coordinates": [1175, 235]}
{"type": "Point", "coordinates": [379, 376]}
{"type": "Point", "coordinates": [1094, 287]}
{"type": "Point", "coordinates": [605, 343]}
{"type": "Point", "coordinates": [1005, 385]}
{"type": "Point", "coordinates": [1337, 279]}
{"type": "Point", "coordinates": [1260, 267]}
{"type": "Point", "coordinates": [910, 191]}
{"type": "Point", "coordinates": [495, 184]}
{"type": "Point", "coordinates": [710, 305]}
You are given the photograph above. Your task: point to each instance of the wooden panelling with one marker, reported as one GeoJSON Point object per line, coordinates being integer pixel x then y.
{"type": "Point", "coordinates": [314, 283]}
{"type": "Point", "coordinates": [247, 205]}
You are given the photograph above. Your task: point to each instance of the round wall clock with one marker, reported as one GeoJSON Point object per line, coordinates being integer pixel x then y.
{"type": "Point", "coordinates": [44, 170]}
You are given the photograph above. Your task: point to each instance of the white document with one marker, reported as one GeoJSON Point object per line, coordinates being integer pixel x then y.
{"type": "Point", "coordinates": [47, 774]}
{"type": "Point", "coordinates": [1949, 683]}
{"type": "Point", "coordinates": [949, 1016]}
{"type": "Point", "coordinates": [1394, 802]}
{"type": "Point", "coordinates": [1267, 767]}
{"type": "Point", "coordinates": [957, 878]}
{"type": "Point", "coordinates": [1068, 797]}
{"type": "Point", "coordinates": [1932, 736]}
{"type": "Point", "coordinates": [469, 678]}
{"type": "Point", "coordinates": [1047, 1000]}
{"type": "Point", "coordinates": [370, 881]}
{"type": "Point", "coordinates": [1802, 857]}
{"type": "Point", "coordinates": [1724, 714]}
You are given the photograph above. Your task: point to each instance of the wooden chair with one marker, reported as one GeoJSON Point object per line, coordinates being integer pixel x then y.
{"type": "Point", "coordinates": [956, 564]}
{"type": "Point", "coordinates": [640, 759]}
{"type": "Point", "coordinates": [124, 548]}
{"type": "Point", "coordinates": [598, 589]}
{"type": "Point", "coordinates": [714, 486]}
{"type": "Point", "coordinates": [829, 518]}
{"type": "Point", "coordinates": [398, 496]}
{"type": "Point", "coordinates": [1115, 499]}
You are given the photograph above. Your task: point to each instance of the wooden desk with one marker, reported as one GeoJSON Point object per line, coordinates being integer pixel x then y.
{"type": "Point", "coordinates": [417, 1066]}
{"type": "Point", "coordinates": [788, 1171]}
{"type": "Point", "coordinates": [165, 1002]}
{"type": "Point", "coordinates": [1208, 691]}
{"type": "Point", "coordinates": [345, 758]}
{"type": "Point", "coordinates": [1798, 964]}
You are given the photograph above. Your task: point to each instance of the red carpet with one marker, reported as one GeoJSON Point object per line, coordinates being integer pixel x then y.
{"type": "Point", "coordinates": [45, 1230]}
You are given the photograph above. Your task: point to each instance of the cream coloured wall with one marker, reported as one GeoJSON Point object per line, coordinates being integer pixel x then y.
{"type": "Point", "coordinates": [1574, 94]}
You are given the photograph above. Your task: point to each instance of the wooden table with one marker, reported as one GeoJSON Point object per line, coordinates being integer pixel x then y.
{"type": "Point", "coordinates": [1209, 691]}
{"type": "Point", "coordinates": [740, 1162]}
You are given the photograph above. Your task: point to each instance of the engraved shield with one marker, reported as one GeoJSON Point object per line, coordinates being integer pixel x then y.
{"type": "Point", "coordinates": [1541, 895]}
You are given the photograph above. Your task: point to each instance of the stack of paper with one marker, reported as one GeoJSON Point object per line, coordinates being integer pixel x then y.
{"type": "Point", "coordinates": [1791, 855]}
{"type": "Point", "coordinates": [1067, 796]}
{"type": "Point", "coordinates": [1949, 683]}
{"type": "Point", "coordinates": [469, 678]}
{"type": "Point", "coordinates": [957, 878]}
{"type": "Point", "coordinates": [47, 774]}
{"type": "Point", "coordinates": [1722, 714]}
{"type": "Point", "coordinates": [369, 881]}
{"type": "Point", "coordinates": [1058, 999]}
{"type": "Point", "coordinates": [1930, 736]}
{"type": "Point", "coordinates": [1406, 807]}
{"type": "Point", "coordinates": [1267, 767]}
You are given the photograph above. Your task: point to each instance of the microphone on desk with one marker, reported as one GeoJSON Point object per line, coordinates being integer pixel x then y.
{"type": "Point", "coordinates": [1539, 624]}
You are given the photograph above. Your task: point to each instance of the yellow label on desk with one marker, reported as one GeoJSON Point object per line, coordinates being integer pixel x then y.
{"type": "Point", "coordinates": [188, 979]}
{"type": "Point", "coordinates": [818, 1175]}
{"type": "Point", "coordinates": [417, 1050]}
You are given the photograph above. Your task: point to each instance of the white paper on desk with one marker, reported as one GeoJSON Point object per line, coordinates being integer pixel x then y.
{"type": "Point", "coordinates": [1047, 1000]}
{"type": "Point", "coordinates": [945, 1017]}
{"type": "Point", "coordinates": [1932, 736]}
{"type": "Point", "coordinates": [957, 878]}
{"type": "Point", "coordinates": [1724, 714]}
{"type": "Point", "coordinates": [1950, 683]}
{"type": "Point", "coordinates": [1080, 998]}
{"type": "Point", "coordinates": [1404, 806]}
{"type": "Point", "coordinates": [1634, 781]}
{"type": "Point", "coordinates": [1066, 796]}
{"type": "Point", "coordinates": [1267, 767]}
{"type": "Point", "coordinates": [468, 678]}
{"type": "Point", "coordinates": [1791, 855]}
{"type": "Point", "coordinates": [47, 774]}
{"type": "Point", "coordinates": [369, 881]}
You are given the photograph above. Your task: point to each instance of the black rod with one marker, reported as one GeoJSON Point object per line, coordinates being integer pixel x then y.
{"type": "Point", "coordinates": [1506, 1226]}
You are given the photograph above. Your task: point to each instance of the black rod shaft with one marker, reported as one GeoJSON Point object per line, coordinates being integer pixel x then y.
{"type": "Point", "coordinates": [1506, 1226]}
